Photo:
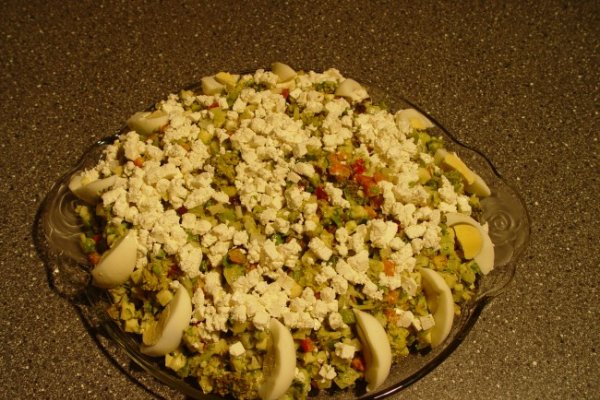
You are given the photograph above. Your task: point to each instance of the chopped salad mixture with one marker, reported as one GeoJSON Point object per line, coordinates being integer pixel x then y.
{"type": "Point", "coordinates": [268, 234]}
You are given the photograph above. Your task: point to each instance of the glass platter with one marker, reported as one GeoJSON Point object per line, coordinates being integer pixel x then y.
{"type": "Point", "coordinates": [57, 229]}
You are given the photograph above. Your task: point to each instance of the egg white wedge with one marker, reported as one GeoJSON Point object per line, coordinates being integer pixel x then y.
{"type": "Point", "coordinates": [283, 71]}
{"type": "Point", "coordinates": [210, 86]}
{"type": "Point", "coordinates": [376, 349]}
{"type": "Point", "coordinates": [414, 118]}
{"type": "Point", "coordinates": [227, 79]}
{"type": "Point", "coordinates": [352, 90]}
{"type": "Point", "coordinates": [165, 336]}
{"type": "Point", "coordinates": [479, 187]}
{"type": "Point", "coordinates": [441, 304]}
{"type": "Point", "coordinates": [473, 182]}
{"type": "Point", "coordinates": [485, 257]}
{"type": "Point", "coordinates": [146, 122]}
{"type": "Point", "coordinates": [452, 161]}
{"type": "Point", "coordinates": [281, 362]}
{"type": "Point", "coordinates": [90, 191]}
{"type": "Point", "coordinates": [116, 264]}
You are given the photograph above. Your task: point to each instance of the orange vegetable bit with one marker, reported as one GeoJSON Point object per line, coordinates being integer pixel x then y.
{"type": "Point", "coordinates": [389, 267]}
{"type": "Point", "coordinates": [94, 258]}
{"type": "Point", "coordinates": [237, 256]}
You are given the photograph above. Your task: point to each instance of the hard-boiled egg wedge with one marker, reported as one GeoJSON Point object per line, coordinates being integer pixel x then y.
{"type": "Point", "coordinates": [90, 191]}
{"type": "Point", "coordinates": [146, 122]}
{"type": "Point", "coordinates": [210, 86]}
{"type": "Point", "coordinates": [227, 79]}
{"type": "Point", "coordinates": [283, 71]}
{"type": "Point", "coordinates": [479, 187]}
{"type": "Point", "coordinates": [469, 238]}
{"type": "Point", "coordinates": [414, 118]}
{"type": "Point", "coordinates": [485, 257]}
{"type": "Point", "coordinates": [376, 349]}
{"type": "Point", "coordinates": [352, 90]}
{"type": "Point", "coordinates": [117, 264]}
{"type": "Point", "coordinates": [441, 304]}
{"type": "Point", "coordinates": [473, 182]}
{"type": "Point", "coordinates": [280, 364]}
{"type": "Point", "coordinates": [451, 160]}
{"type": "Point", "coordinates": [165, 336]}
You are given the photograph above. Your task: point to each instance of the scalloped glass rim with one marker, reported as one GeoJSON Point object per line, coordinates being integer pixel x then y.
{"type": "Point", "coordinates": [56, 241]}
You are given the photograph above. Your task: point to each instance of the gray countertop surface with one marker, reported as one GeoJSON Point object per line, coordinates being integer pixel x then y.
{"type": "Point", "coordinates": [518, 80]}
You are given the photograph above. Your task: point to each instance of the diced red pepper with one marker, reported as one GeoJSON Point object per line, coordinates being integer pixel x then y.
{"type": "Point", "coordinates": [214, 105]}
{"type": "Point", "coordinates": [358, 167]}
{"type": "Point", "coordinates": [358, 364]}
{"type": "Point", "coordinates": [285, 93]}
{"type": "Point", "coordinates": [365, 181]}
{"type": "Point", "coordinates": [139, 162]}
{"type": "Point", "coordinates": [182, 210]}
{"type": "Point", "coordinates": [331, 229]}
{"type": "Point", "coordinates": [321, 194]}
{"type": "Point", "coordinates": [97, 237]}
{"type": "Point", "coordinates": [307, 345]}
{"type": "Point", "coordinates": [174, 270]}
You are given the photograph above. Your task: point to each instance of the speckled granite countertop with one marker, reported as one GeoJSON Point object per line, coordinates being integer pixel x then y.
{"type": "Point", "coordinates": [517, 80]}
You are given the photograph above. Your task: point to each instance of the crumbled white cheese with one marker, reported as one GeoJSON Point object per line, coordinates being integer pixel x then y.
{"type": "Point", "coordinates": [237, 349]}
{"type": "Point", "coordinates": [320, 249]}
{"type": "Point", "coordinates": [344, 351]}
{"type": "Point", "coordinates": [189, 260]}
{"type": "Point", "coordinates": [427, 321]}
{"type": "Point", "coordinates": [327, 372]}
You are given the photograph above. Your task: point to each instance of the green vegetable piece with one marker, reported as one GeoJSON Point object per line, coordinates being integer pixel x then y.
{"type": "Point", "coordinates": [85, 215]}
{"type": "Point", "coordinates": [359, 213]}
{"type": "Point", "coordinates": [175, 361]}
{"type": "Point", "coordinates": [328, 87]}
{"type": "Point", "coordinates": [88, 245]}
{"type": "Point", "coordinates": [127, 310]}
{"type": "Point", "coordinates": [347, 378]}
{"type": "Point", "coordinates": [219, 117]}
{"type": "Point", "coordinates": [205, 137]}
{"type": "Point", "coordinates": [132, 325]}
{"type": "Point", "coordinates": [232, 272]}
{"type": "Point", "coordinates": [227, 215]}
{"type": "Point", "coordinates": [348, 316]}
{"type": "Point", "coordinates": [164, 297]}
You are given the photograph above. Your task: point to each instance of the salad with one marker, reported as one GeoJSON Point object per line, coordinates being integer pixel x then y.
{"type": "Point", "coordinates": [277, 233]}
